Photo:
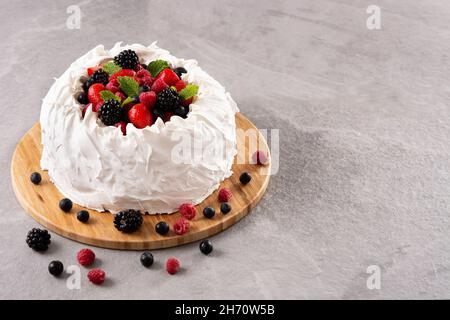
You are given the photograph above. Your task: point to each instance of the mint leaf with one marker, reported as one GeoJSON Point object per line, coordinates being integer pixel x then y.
{"type": "Point", "coordinates": [129, 86]}
{"type": "Point", "coordinates": [188, 92]}
{"type": "Point", "coordinates": [155, 67]}
{"type": "Point", "coordinates": [111, 68]}
{"type": "Point", "coordinates": [127, 101]}
{"type": "Point", "coordinates": [108, 95]}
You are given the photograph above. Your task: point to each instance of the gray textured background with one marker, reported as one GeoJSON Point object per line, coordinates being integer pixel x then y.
{"type": "Point", "coordinates": [364, 155]}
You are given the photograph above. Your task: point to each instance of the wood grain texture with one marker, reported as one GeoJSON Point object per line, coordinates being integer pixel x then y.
{"type": "Point", "coordinates": [41, 201]}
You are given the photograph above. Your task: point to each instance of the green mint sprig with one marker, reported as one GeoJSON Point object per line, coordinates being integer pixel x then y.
{"type": "Point", "coordinates": [108, 95]}
{"type": "Point", "coordinates": [111, 68]}
{"type": "Point", "coordinates": [129, 86]}
{"type": "Point", "coordinates": [155, 67]}
{"type": "Point", "coordinates": [190, 91]}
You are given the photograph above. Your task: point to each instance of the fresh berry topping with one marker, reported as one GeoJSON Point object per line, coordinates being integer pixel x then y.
{"type": "Point", "coordinates": [144, 66]}
{"type": "Point", "coordinates": [159, 85]}
{"type": "Point", "coordinates": [123, 127]}
{"type": "Point", "coordinates": [187, 102]}
{"type": "Point", "coordinates": [209, 212]}
{"type": "Point", "coordinates": [146, 259]}
{"type": "Point", "coordinates": [65, 205]}
{"type": "Point", "coordinates": [181, 111]}
{"type": "Point", "coordinates": [83, 216]}
{"type": "Point", "coordinates": [140, 116]}
{"type": "Point", "coordinates": [100, 76]}
{"type": "Point", "coordinates": [127, 59]}
{"type": "Point", "coordinates": [180, 85]}
{"type": "Point", "coordinates": [120, 95]}
{"type": "Point", "coordinates": [94, 93]}
{"type": "Point", "coordinates": [181, 226]}
{"type": "Point", "coordinates": [110, 112]}
{"type": "Point", "coordinates": [148, 99]}
{"type": "Point", "coordinates": [259, 157]}
{"type": "Point", "coordinates": [162, 228]}
{"type": "Point", "coordinates": [121, 73]}
{"type": "Point", "coordinates": [55, 268]}
{"type": "Point", "coordinates": [188, 211]}
{"type": "Point", "coordinates": [38, 239]}
{"type": "Point", "coordinates": [91, 70]}
{"type": "Point", "coordinates": [147, 81]}
{"type": "Point", "coordinates": [167, 115]}
{"type": "Point", "coordinates": [87, 85]}
{"type": "Point", "coordinates": [225, 208]}
{"type": "Point", "coordinates": [85, 257]}
{"type": "Point", "coordinates": [96, 276]}
{"type": "Point", "coordinates": [83, 111]}
{"type": "Point", "coordinates": [225, 195]}
{"type": "Point", "coordinates": [179, 71]}
{"type": "Point", "coordinates": [167, 100]}
{"type": "Point", "coordinates": [168, 76]}
{"type": "Point", "coordinates": [245, 178]}
{"type": "Point", "coordinates": [144, 88]}
{"type": "Point", "coordinates": [128, 221]}
{"type": "Point", "coordinates": [96, 107]}
{"type": "Point", "coordinates": [158, 113]}
{"type": "Point", "coordinates": [172, 265]}
{"type": "Point", "coordinates": [111, 87]}
{"type": "Point", "coordinates": [82, 98]}
{"type": "Point", "coordinates": [143, 73]}
{"type": "Point", "coordinates": [35, 178]}
{"type": "Point", "coordinates": [206, 247]}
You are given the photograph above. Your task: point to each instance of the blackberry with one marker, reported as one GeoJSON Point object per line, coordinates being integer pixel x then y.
{"type": "Point", "coordinates": [100, 76]}
{"type": "Point", "coordinates": [128, 221]}
{"type": "Point", "coordinates": [167, 100]}
{"type": "Point", "coordinates": [110, 112]}
{"type": "Point", "coordinates": [127, 59]}
{"type": "Point", "coordinates": [38, 239]}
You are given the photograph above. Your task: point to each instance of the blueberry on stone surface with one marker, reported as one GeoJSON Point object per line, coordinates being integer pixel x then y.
{"type": "Point", "coordinates": [225, 208]}
{"type": "Point", "coordinates": [65, 205]}
{"type": "Point", "coordinates": [146, 259]}
{"type": "Point", "coordinates": [162, 228]}
{"type": "Point", "coordinates": [55, 268]}
{"type": "Point", "coordinates": [209, 212]}
{"type": "Point", "coordinates": [35, 178]}
{"type": "Point", "coordinates": [206, 247]}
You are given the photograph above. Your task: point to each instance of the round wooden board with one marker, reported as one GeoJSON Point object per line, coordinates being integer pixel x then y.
{"type": "Point", "coordinates": [41, 201]}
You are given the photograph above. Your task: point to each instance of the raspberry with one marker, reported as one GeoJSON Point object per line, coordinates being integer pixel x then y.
{"type": "Point", "coordinates": [180, 85]}
{"type": "Point", "coordinates": [259, 157]}
{"type": "Point", "coordinates": [120, 95]}
{"type": "Point", "coordinates": [111, 87]}
{"type": "Point", "coordinates": [188, 211]}
{"type": "Point", "coordinates": [86, 257]}
{"type": "Point", "coordinates": [96, 276]}
{"type": "Point", "coordinates": [148, 81]}
{"type": "Point", "coordinates": [159, 85]}
{"type": "Point", "coordinates": [172, 265]}
{"type": "Point", "coordinates": [142, 73]}
{"type": "Point", "coordinates": [225, 195]}
{"type": "Point", "coordinates": [148, 99]}
{"type": "Point", "coordinates": [181, 226]}
{"type": "Point", "coordinates": [123, 127]}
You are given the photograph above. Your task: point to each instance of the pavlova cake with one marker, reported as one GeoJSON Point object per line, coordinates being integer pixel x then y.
{"type": "Point", "coordinates": [134, 127]}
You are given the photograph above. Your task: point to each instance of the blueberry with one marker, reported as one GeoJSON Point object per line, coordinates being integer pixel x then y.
{"type": "Point", "coordinates": [146, 259]}
{"type": "Point", "coordinates": [82, 98]}
{"type": "Point", "coordinates": [87, 84]}
{"type": "Point", "coordinates": [179, 71]}
{"type": "Point", "coordinates": [136, 99]}
{"type": "Point", "coordinates": [181, 111]}
{"type": "Point", "coordinates": [209, 212]}
{"type": "Point", "coordinates": [225, 208]}
{"type": "Point", "coordinates": [158, 113]}
{"type": "Point", "coordinates": [83, 216]}
{"type": "Point", "coordinates": [55, 268]}
{"type": "Point", "coordinates": [206, 247]}
{"type": "Point", "coordinates": [35, 177]}
{"type": "Point", "coordinates": [162, 228]}
{"type": "Point", "coordinates": [144, 88]}
{"type": "Point", "coordinates": [65, 205]}
{"type": "Point", "coordinates": [144, 66]}
{"type": "Point", "coordinates": [245, 178]}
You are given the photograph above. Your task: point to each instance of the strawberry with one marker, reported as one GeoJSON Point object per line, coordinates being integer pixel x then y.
{"type": "Point", "coordinates": [148, 99]}
{"type": "Point", "coordinates": [159, 85]}
{"type": "Point", "coordinates": [94, 93]}
{"type": "Point", "coordinates": [180, 85]}
{"type": "Point", "coordinates": [97, 106]}
{"type": "Point", "coordinates": [168, 76]}
{"type": "Point", "coordinates": [122, 73]}
{"type": "Point", "coordinates": [91, 70]}
{"type": "Point", "coordinates": [140, 116]}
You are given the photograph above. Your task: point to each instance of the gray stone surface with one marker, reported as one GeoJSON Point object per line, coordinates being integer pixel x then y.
{"type": "Point", "coordinates": [364, 144]}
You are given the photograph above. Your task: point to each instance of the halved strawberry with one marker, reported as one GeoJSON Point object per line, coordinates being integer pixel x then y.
{"type": "Point", "coordinates": [94, 93]}
{"type": "Point", "coordinates": [91, 70]}
{"type": "Point", "coordinates": [168, 76]}
{"type": "Point", "coordinates": [159, 85]}
{"type": "Point", "coordinates": [180, 85]}
{"type": "Point", "coordinates": [122, 73]}
{"type": "Point", "coordinates": [140, 116]}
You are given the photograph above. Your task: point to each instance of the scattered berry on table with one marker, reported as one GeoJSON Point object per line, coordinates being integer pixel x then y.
{"type": "Point", "coordinates": [55, 268]}
{"type": "Point", "coordinates": [206, 247]}
{"type": "Point", "coordinates": [245, 178]}
{"type": "Point", "coordinates": [140, 116]}
{"type": "Point", "coordinates": [127, 59]}
{"type": "Point", "coordinates": [162, 228]}
{"type": "Point", "coordinates": [225, 208]}
{"type": "Point", "coordinates": [168, 76]}
{"type": "Point", "coordinates": [110, 112]}
{"type": "Point", "coordinates": [148, 99]}
{"type": "Point", "coordinates": [100, 76]}
{"type": "Point", "coordinates": [146, 259]}
{"type": "Point", "coordinates": [65, 204]}
{"type": "Point", "coordinates": [94, 93]}
{"type": "Point", "coordinates": [259, 157]}
{"type": "Point", "coordinates": [188, 211]}
{"type": "Point", "coordinates": [123, 127]}
{"type": "Point", "coordinates": [38, 239]}
{"type": "Point", "coordinates": [172, 265]}
{"type": "Point", "coordinates": [86, 257]}
{"type": "Point", "coordinates": [167, 100]}
{"type": "Point", "coordinates": [96, 276]}
{"type": "Point", "coordinates": [128, 221]}
{"type": "Point", "coordinates": [225, 195]}
{"type": "Point", "coordinates": [209, 212]}
{"type": "Point", "coordinates": [83, 216]}
{"type": "Point", "coordinates": [82, 98]}
{"type": "Point", "coordinates": [35, 178]}
{"type": "Point", "coordinates": [181, 226]}
{"type": "Point", "coordinates": [179, 71]}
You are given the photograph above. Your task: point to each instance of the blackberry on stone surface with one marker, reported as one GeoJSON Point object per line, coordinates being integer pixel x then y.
{"type": "Point", "coordinates": [127, 59]}
{"type": "Point", "coordinates": [100, 76]}
{"type": "Point", "coordinates": [128, 221]}
{"type": "Point", "coordinates": [110, 112]}
{"type": "Point", "coordinates": [167, 100]}
{"type": "Point", "coordinates": [38, 239]}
